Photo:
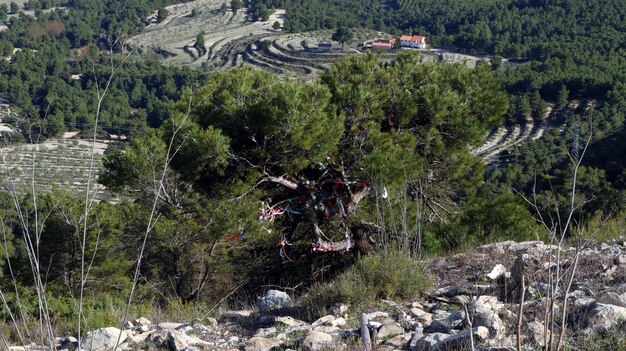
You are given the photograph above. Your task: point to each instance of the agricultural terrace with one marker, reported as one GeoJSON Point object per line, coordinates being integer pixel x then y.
{"type": "Point", "coordinates": [29, 12]}
{"type": "Point", "coordinates": [20, 3]}
{"type": "Point", "coordinates": [234, 40]}
{"type": "Point", "coordinates": [62, 163]}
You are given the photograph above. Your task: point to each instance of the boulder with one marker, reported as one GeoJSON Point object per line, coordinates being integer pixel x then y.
{"type": "Point", "coordinates": [176, 341]}
{"type": "Point", "coordinates": [316, 341]}
{"type": "Point", "coordinates": [274, 300]}
{"type": "Point", "coordinates": [257, 343]}
{"type": "Point", "coordinates": [159, 339]}
{"type": "Point", "coordinates": [447, 342]}
{"type": "Point", "coordinates": [535, 334]}
{"type": "Point", "coordinates": [611, 298]}
{"type": "Point", "coordinates": [421, 315]}
{"type": "Point", "coordinates": [390, 329]}
{"type": "Point", "coordinates": [142, 321]}
{"type": "Point", "coordinates": [265, 332]}
{"type": "Point", "coordinates": [491, 301]}
{"type": "Point", "coordinates": [604, 317]}
{"type": "Point", "coordinates": [327, 329]}
{"type": "Point", "coordinates": [447, 291]}
{"type": "Point", "coordinates": [483, 316]}
{"type": "Point", "coordinates": [138, 338]}
{"type": "Point", "coordinates": [445, 322]}
{"type": "Point", "coordinates": [398, 341]}
{"type": "Point", "coordinates": [330, 320]}
{"type": "Point", "coordinates": [339, 309]}
{"type": "Point", "coordinates": [234, 316]}
{"type": "Point", "coordinates": [427, 342]}
{"type": "Point", "coordinates": [102, 339]}
{"type": "Point", "coordinates": [142, 328]}
{"type": "Point", "coordinates": [290, 321]}
{"type": "Point", "coordinates": [417, 335]}
{"type": "Point", "coordinates": [195, 341]}
{"type": "Point", "coordinates": [497, 272]}
{"type": "Point", "coordinates": [69, 342]}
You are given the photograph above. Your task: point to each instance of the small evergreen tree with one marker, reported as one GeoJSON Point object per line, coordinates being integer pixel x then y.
{"type": "Point", "coordinates": [343, 35]}
{"type": "Point", "coordinates": [14, 7]}
{"type": "Point", "coordinates": [162, 14]}
{"type": "Point", "coordinates": [199, 44]}
{"type": "Point", "coordinates": [235, 5]}
{"type": "Point", "coordinates": [562, 96]}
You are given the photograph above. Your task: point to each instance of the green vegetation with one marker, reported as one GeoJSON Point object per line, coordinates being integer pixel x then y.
{"type": "Point", "coordinates": [374, 156]}
{"type": "Point", "coordinates": [613, 341]}
{"type": "Point", "coordinates": [235, 5]}
{"type": "Point", "coordinates": [162, 14]}
{"type": "Point", "coordinates": [370, 279]}
{"type": "Point", "coordinates": [343, 35]}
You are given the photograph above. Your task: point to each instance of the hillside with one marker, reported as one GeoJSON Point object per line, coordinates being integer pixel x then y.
{"type": "Point", "coordinates": [251, 175]}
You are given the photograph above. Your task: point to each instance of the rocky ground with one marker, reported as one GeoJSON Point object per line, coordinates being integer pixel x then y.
{"type": "Point", "coordinates": [476, 301]}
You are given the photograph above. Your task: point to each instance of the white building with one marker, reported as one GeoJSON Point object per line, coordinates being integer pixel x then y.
{"type": "Point", "coordinates": [413, 41]}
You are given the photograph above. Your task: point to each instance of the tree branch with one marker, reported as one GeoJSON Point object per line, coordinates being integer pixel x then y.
{"type": "Point", "coordinates": [282, 181]}
{"type": "Point", "coordinates": [356, 198]}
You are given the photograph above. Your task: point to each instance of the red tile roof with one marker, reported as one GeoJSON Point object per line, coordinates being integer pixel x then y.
{"type": "Point", "coordinates": [415, 38]}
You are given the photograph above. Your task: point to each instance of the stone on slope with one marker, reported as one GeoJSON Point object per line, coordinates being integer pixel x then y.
{"type": "Point", "coordinates": [417, 335]}
{"type": "Point", "coordinates": [427, 342]}
{"type": "Point", "coordinates": [398, 341]}
{"type": "Point", "coordinates": [69, 342]}
{"type": "Point", "coordinates": [604, 317]}
{"type": "Point", "coordinates": [339, 309]}
{"type": "Point", "coordinates": [488, 318]}
{"type": "Point", "coordinates": [497, 272]}
{"type": "Point", "coordinates": [142, 321]}
{"type": "Point", "coordinates": [290, 321]}
{"type": "Point", "coordinates": [445, 322]}
{"type": "Point", "coordinates": [258, 343]}
{"type": "Point", "coordinates": [159, 339]}
{"type": "Point", "coordinates": [611, 298]}
{"type": "Point", "coordinates": [451, 342]}
{"type": "Point", "coordinates": [102, 339]}
{"type": "Point", "coordinates": [274, 300]}
{"type": "Point", "coordinates": [316, 341]}
{"type": "Point", "coordinates": [234, 316]}
{"type": "Point", "coordinates": [420, 315]}
{"type": "Point", "coordinates": [535, 334]}
{"type": "Point", "coordinates": [265, 332]}
{"type": "Point", "coordinates": [176, 341]}
{"type": "Point", "coordinates": [330, 320]}
{"type": "Point", "coordinates": [447, 291]}
{"type": "Point", "coordinates": [390, 329]}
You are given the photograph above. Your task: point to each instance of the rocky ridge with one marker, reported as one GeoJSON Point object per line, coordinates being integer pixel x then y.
{"type": "Point", "coordinates": [474, 305]}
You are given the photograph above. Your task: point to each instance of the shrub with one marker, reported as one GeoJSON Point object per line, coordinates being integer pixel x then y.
{"type": "Point", "coordinates": [615, 341]}
{"type": "Point", "coordinates": [380, 275]}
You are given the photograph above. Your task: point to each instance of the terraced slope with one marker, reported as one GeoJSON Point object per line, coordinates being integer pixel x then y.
{"type": "Point", "coordinates": [177, 34]}
{"type": "Point", "coordinates": [506, 137]}
{"type": "Point", "coordinates": [56, 163]}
